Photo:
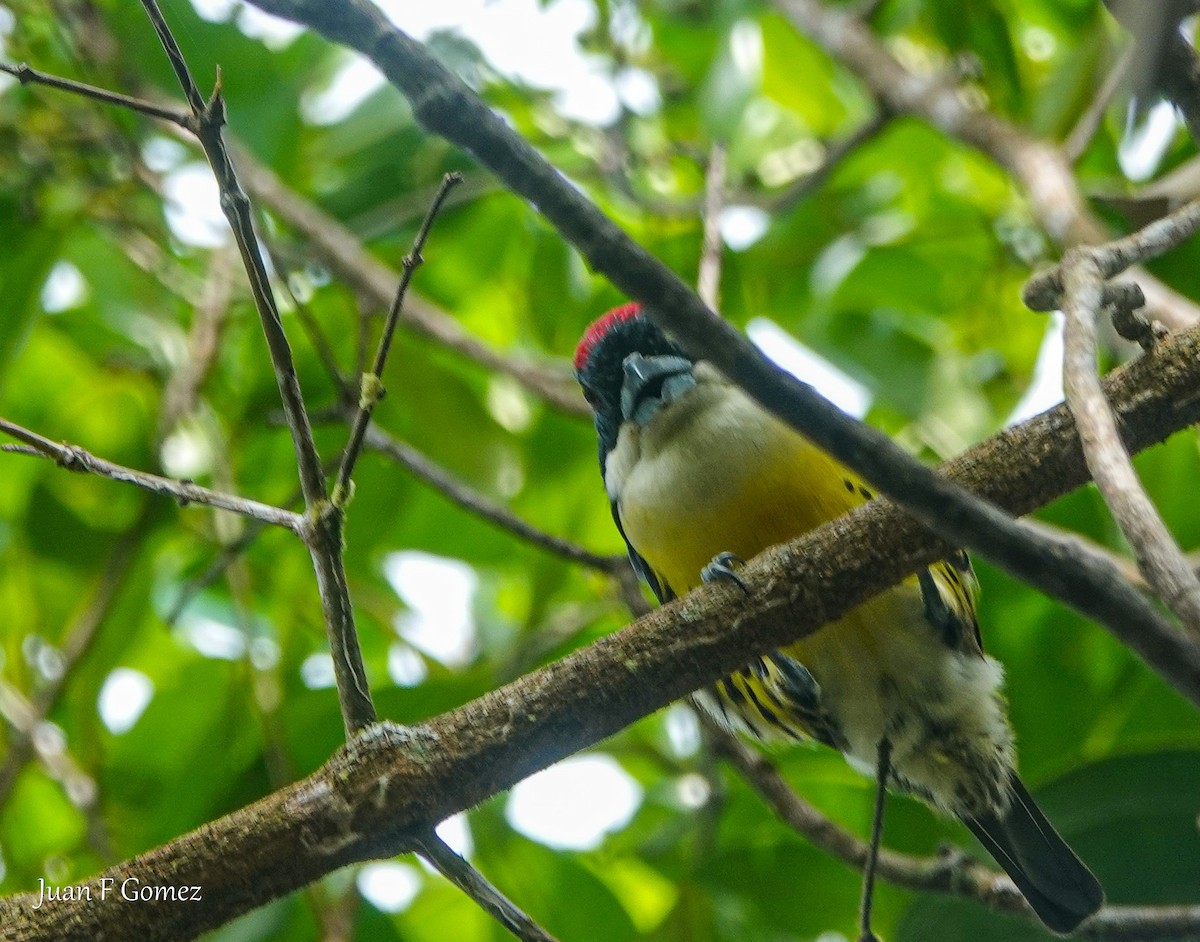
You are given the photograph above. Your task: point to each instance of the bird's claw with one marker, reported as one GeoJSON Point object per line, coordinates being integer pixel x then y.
{"type": "Point", "coordinates": [722, 568]}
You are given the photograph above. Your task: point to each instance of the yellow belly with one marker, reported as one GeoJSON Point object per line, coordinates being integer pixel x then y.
{"type": "Point", "coordinates": [744, 483]}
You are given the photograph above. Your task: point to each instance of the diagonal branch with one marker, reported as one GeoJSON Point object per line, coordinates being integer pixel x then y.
{"type": "Point", "coordinates": [1159, 558]}
{"type": "Point", "coordinates": [372, 383]}
{"type": "Point", "coordinates": [341, 250]}
{"type": "Point", "coordinates": [74, 458]}
{"type": "Point", "coordinates": [30, 76]}
{"type": "Point", "coordinates": [455, 869]}
{"type": "Point", "coordinates": [443, 104]}
{"type": "Point", "coordinates": [437, 477]}
{"type": "Point", "coordinates": [952, 872]}
{"type": "Point", "coordinates": [323, 532]}
{"type": "Point", "coordinates": [390, 785]}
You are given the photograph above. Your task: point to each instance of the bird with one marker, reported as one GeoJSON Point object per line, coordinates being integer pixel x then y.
{"type": "Point", "coordinates": [700, 477]}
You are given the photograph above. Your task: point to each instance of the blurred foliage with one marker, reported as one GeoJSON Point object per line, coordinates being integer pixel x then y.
{"type": "Point", "coordinates": [902, 269]}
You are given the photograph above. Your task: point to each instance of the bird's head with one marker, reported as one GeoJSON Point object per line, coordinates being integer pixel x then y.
{"type": "Point", "coordinates": [630, 371]}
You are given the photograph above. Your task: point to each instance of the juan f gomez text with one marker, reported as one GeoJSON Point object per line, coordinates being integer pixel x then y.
{"type": "Point", "coordinates": [131, 889]}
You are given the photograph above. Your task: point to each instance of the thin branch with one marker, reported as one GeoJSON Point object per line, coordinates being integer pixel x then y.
{"type": "Point", "coordinates": [1041, 169]}
{"type": "Point", "coordinates": [472, 501]}
{"type": "Point", "coordinates": [708, 280]}
{"type": "Point", "coordinates": [1089, 122]}
{"type": "Point", "coordinates": [74, 458]}
{"type": "Point", "coordinates": [1159, 559]}
{"type": "Point", "coordinates": [29, 76]}
{"type": "Point", "coordinates": [459, 872]}
{"type": "Point", "coordinates": [372, 382]}
{"type": "Point", "coordinates": [78, 638]}
{"type": "Point", "coordinates": [1044, 291]}
{"type": "Point", "coordinates": [805, 186]}
{"type": "Point", "coordinates": [1128, 568]}
{"type": "Point", "coordinates": [951, 871]}
{"type": "Point", "coordinates": [341, 250]}
{"type": "Point", "coordinates": [323, 532]}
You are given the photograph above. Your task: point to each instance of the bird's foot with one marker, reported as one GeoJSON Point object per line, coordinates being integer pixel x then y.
{"type": "Point", "coordinates": [722, 569]}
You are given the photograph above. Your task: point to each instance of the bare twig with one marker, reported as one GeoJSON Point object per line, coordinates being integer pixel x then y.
{"type": "Point", "coordinates": [1042, 170]}
{"type": "Point", "coordinates": [1044, 291]}
{"type": "Point", "coordinates": [708, 280]}
{"type": "Point", "coordinates": [74, 458]}
{"type": "Point", "coordinates": [372, 383]}
{"type": "Point", "coordinates": [341, 250]}
{"type": "Point", "coordinates": [951, 872]}
{"type": "Point", "coordinates": [183, 388]}
{"type": "Point", "coordinates": [1085, 128]}
{"type": "Point", "coordinates": [459, 872]}
{"type": "Point", "coordinates": [322, 533]}
{"type": "Point", "coordinates": [29, 76]}
{"type": "Point", "coordinates": [1159, 558]}
{"type": "Point", "coordinates": [472, 501]}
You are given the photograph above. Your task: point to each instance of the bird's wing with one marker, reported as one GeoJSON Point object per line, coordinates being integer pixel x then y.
{"type": "Point", "coordinates": [949, 590]}
{"type": "Point", "coordinates": [658, 586]}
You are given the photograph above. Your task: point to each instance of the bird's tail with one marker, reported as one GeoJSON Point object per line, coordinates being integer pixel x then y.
{"type": "Point", "coordinates": [1057, 884]}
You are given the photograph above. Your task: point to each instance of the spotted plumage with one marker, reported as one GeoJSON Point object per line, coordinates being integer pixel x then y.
{"type": "Point", "coordinates": [694, 469]}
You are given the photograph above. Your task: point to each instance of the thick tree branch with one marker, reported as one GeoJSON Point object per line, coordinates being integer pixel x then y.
{"type": "Point", "coordinates": [446, 106]}
{"type": "Point", "coordinates": [390, 785]}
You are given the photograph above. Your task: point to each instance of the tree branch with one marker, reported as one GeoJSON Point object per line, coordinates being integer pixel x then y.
{"type": "Point", "coordinates": [372, 383]}
{"type": "Point", "coordinates": [74, 458]}
{"type": "Point", "coordinates": [1042, 169]}
{"type": "Point", "coordinates": [377, 795]}
{"type": "Point", "coordinates": [455, 869]}
{"type": "Point", "coordinates": [446, 106]}
{"type": "Point", "coordinates": [323, 531]}
{"type": "Point", "coordinates": [473, 502]}
{"type": "Point", "coordinates": [1159, 559]}
{"type": "Point", "coordinates": [30, 76]}
{"type": "Point", "coordinates": [950, 872]}
{"type": "Point", "coordinates": [338, 248]}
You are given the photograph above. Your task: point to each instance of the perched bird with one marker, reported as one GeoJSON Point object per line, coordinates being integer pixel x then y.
{"type": "Point", "coordinates": [698, 474]}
